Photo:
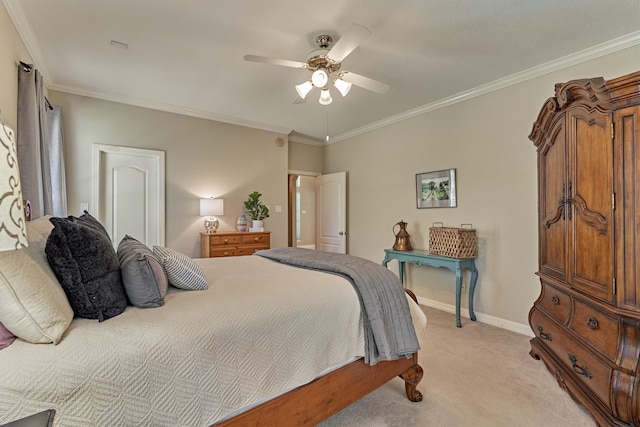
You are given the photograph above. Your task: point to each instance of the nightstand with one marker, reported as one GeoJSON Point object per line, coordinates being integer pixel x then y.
{"type": "Point", "coordinates": [233, 243]}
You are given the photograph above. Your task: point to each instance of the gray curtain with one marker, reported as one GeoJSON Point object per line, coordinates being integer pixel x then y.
{"type": "Point", "coordinates": [40, 147]}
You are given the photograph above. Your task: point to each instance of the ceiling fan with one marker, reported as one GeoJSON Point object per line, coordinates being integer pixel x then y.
{"type": "Point", "coordinates": [325, 66]}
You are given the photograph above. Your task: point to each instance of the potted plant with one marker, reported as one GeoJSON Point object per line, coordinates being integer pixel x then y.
{"type": "Point", "coordinates": [256, 209]}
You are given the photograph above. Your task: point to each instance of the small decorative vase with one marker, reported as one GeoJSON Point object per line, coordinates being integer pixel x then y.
{"type": "Point", "coordinates": [241, 223]}
{"type": "Point", "coordinates": [257, 225]}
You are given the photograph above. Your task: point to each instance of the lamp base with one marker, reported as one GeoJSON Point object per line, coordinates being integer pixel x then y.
{"type": "Point", "coordinates": [211, 224]}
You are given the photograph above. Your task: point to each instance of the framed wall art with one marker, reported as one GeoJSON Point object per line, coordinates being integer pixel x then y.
{"type": "Point", "coordinates": [436, 189]}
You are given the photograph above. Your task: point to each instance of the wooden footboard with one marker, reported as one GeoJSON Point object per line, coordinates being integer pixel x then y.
{"type": "Point", "coordinates": [311, 403]}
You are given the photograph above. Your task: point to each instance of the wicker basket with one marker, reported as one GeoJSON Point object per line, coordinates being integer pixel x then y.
{"type": "Point", "coordinates": [453, 242]}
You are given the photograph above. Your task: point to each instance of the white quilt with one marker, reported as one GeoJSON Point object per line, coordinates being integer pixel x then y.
{"type": "Point", "coordinates": [260, 328]}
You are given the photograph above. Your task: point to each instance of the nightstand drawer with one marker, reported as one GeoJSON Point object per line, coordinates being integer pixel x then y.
{"type": "Point", "coordinates": [224, 240]}
{"type": "Point", "coordinates": [225, 244]}
{"type": "Point", "coordinates": [255, 238]}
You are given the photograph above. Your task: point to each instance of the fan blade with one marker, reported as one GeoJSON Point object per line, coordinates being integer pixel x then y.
{"type": "Point", "coordinates": [365, 82]}
{"type": "Point", "coordinates": [348, 43]}
{"type": "Point", "coordinates": [274, 61]}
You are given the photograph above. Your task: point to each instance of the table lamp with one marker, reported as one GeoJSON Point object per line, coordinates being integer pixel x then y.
{"type": "Point", "coordinates": [210, 208]}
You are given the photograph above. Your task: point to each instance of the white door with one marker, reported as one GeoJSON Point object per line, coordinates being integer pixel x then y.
{"type": "Point", "coordinates": [129, 193]}
{"type": "Point", "coordinates": [331, 218]}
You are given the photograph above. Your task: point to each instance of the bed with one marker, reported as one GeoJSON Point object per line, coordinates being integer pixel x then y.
{"type": "Point", "coordinates": [264, 344]}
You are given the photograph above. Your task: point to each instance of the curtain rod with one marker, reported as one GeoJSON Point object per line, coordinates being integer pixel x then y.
{"type": "Point", "coordinates": [28, 68]}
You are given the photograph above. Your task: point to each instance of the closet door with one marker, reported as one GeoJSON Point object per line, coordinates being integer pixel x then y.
{"type": "Point", "coordinates": [590, 266]}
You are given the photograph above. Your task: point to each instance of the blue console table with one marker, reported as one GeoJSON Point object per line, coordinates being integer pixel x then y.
{"type": "Point", "coordinates": [457, 265]}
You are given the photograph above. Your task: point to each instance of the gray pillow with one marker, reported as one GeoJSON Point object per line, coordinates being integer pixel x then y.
{"type": "Point", "coordinates": [142, 273]}
{"type": "Point", "coordinates": [82, 257]}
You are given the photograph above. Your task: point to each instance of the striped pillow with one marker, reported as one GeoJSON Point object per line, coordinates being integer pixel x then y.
{"type": "Point", "coordinates": [181, 271]}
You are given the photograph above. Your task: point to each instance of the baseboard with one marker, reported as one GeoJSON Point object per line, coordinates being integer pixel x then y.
{"type": "Point", "coordinates": [483, 318]}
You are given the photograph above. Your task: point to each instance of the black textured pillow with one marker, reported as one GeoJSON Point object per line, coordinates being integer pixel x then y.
{"type": "Point", "coordinates": [143, 276]}
{"type": "Point", "coordinates": [82, 257]}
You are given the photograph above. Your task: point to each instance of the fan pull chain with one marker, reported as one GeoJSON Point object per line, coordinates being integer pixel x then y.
{"type": "Point", "coordinates": [327, 137]}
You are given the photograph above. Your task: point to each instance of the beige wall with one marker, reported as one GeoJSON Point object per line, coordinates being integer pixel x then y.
{"type": "Point", "coordinates": [12, 50]}
{"type": "Point", "coordinates": [485, 139]}
{"type": "Point", "coordinates": [305, 157]}
{"type": "Point", "coordinates": [203, 158]}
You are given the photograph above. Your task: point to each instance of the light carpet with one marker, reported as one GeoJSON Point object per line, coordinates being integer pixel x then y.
{"type": "Point", "coordinates": [474, 376]}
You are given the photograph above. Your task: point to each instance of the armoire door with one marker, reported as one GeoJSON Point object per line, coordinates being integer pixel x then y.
{"type": "Point", "coordinates": [590, 266]}
{"type": "Point", "coordinates": [627, 181]}
{"type": "Point", "coordinates": [552, 158]}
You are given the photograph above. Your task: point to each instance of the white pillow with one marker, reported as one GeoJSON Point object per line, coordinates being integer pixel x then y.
{"type": "Point", "coordinates": [182, 272]}
{"type": "Point", "coordinates": [33, 305]}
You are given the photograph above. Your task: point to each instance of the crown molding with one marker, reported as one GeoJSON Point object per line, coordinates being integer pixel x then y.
{"type": "Point", "coordinates": [21, 24]}
{"type": "Point", "coordinates": [170, 108]}
{"type": "Point", "coordinates": [302, 140]}
{"type": "Point", "coordinates": [593, 52]}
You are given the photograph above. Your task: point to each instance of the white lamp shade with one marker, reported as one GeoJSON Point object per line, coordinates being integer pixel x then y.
{"type": "Point", "coordinates": [342, 86]}
{"type": "Point", "coordinates": [13, 233]}
{"type": "Point", "coordinates": [325, 97]}
{"type": "Point", "coordinates": [319, 78]}
{"type": "Point", "coordinates": [303, 89]}
{"type": "Point", "coordinates": [211, 207]}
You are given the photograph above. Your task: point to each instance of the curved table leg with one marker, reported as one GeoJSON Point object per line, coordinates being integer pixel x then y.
{"type": "Point", "coordinates": [472, 288]}
{"type": "Point", "coordinates": [458, 295]}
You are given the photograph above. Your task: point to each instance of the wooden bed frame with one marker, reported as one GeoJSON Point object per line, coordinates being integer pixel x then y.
{"type": "Point", "coordinates": [316, 401]}
{"type": "Point", "coordinates": [311, 403]}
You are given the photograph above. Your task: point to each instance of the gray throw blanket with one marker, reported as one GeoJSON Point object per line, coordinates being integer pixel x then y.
{"type": "Point", "coordinates": [388, 330]}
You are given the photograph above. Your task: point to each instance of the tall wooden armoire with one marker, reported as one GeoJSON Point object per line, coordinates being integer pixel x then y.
{"type": "Point", "coordinates": [587, 318]}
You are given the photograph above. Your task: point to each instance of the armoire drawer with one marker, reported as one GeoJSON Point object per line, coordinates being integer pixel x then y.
{"type": "Point", "coordinates": [598, 329]}
{"type": "Point", "coordinates": [592, 371]}
{"type": "Point", "coordinates": [555, 302]}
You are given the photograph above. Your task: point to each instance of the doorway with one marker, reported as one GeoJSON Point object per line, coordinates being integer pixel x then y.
{"type": "Point", "coordinates": [302, 211]}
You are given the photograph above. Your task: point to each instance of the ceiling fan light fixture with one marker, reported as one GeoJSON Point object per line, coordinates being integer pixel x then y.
{"type": "Point", "coordinates": [303, 89]}
{"type": "Point", "coordinates": [325, 97]}
{"type": "Point", "coordinates": [342, 86]}
{"type": "Point", "coordinates": [319, 78]}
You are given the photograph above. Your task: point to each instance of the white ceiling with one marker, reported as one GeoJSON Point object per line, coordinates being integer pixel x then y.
{"type": "Point", "coordinates": [187, 56]}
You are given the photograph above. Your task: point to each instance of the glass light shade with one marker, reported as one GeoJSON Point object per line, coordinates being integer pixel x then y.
{"type": "Point", "coordinates": [210, 208]}
{"type": "Point", "coordinates": [13, 232]}
{"type": "Point", "coordinates": [342, 86]}
{"type": "Point", "coordinates": [303, 89]}
{"type": "Point", "coordinates": [325, 97]}
{"type": "Point", "coordinates": [319, 78]}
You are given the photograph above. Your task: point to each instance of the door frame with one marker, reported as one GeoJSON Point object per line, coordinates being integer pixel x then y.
{"type": "Point", "coordinates": [291, 202]}
{"type": "Point", "coordinates": [100, 151]}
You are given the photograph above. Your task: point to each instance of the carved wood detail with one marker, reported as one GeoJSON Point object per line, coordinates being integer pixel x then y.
{"type": "Point", "coordinates": [595, 351]}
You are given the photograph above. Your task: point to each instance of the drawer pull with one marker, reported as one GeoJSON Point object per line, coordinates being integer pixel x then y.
{"type": "Point", "coordinates": [226, 241]}
{"type": "Point", "coordinates": [225, 254]}
{"type": "Point", "coordinates": [555, 300]}
{"type": "Point", "coordinates": [256, 239]}
{"type": "Point", "coordinates": [592, 323]}
{"type": "Point", "coordinates": [580, 370]}
{"type": "Point", "coordinates": [544, 335]}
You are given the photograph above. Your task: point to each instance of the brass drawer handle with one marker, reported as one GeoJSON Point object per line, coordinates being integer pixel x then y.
{"type": "Point", "coordinates": [555, 300]}
{"type": "Point", "coordinates": [580, 370]}
{"type": "Point", "coordinates": [592, 323]}
{"type": "Point", "coordinates": [544, 335]}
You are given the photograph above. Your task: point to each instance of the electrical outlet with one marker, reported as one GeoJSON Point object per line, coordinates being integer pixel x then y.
{"type": "Point", "coordinates": [84, 207]}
